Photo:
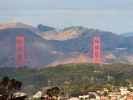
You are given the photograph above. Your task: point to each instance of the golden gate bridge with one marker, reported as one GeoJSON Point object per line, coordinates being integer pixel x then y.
{"type": "Point", "coordinates": [20, 50]}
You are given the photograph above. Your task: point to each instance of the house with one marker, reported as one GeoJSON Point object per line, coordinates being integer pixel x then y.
{"type": "Point", "coordinates": [97, 97]}
{"type": "Point", "coordinates": [84, 96]}
{"type": "Point", "coordinates": [129, 97]}
{"type": "Point", "coordinates": [114, 97]}
{"type": "Point", "coordinates": [102, 98]}
{"type": "Point", "coordinates": [105, 90]}
{"type": "Point", "coordinates": [46, 97]}
{"type": "Point", "coordinates": [38, 94]}
{"type": "Point", "coordinates": [124, 91]}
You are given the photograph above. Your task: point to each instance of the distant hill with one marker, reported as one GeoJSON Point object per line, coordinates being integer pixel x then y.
{"type": "Point", "coordinates": [66, 34]}
{"type": "Point", "coordinates": [52, 46]}
{"type": "Point", "coordinates": [16, 25]}
{"type": "Point", "coordinates": [79, 39]}
{"type": "Point", "coordinates": [82, 41]}
{"type": "Point", "coordinates": [129, 34]}
{"type": "Point", "coordinates": [37, 51]}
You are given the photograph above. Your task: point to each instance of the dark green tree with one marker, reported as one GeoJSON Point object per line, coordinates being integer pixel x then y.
{"type": "Point", "coordinates": [53, 92]}
{"type": "Point", "coordinates": [8, 87]}
{"type": "Point", "coordinates": [92, 96]}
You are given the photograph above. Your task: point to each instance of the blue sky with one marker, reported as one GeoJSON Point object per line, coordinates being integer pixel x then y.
{"type": "Point", "coordinates": [108, 15]}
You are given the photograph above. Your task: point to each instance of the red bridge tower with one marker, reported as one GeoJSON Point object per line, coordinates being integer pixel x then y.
{"type": "Point", "coordinates": [20, 50]}
{"type": "Point", "coordinates": [97, 50]}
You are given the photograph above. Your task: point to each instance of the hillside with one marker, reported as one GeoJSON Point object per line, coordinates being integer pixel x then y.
{"type": "Point", "coordinates": [17, 25]}
{"type": "Point", "coordinates": [79, 38]}
{"type": "Point", "coordinates": [65, 34]}
{"type": "Point", "coordinates": [72, 79]}
{"type": "Point", "coordinates": [50, 46]}
{"type": "Point", "coordinates": [36, 48]}
{"type": "Point", "coordinates": [83, 43]}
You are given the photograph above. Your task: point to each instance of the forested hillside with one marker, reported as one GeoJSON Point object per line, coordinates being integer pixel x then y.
{"type": "Point", "coordinates": [72, 79]}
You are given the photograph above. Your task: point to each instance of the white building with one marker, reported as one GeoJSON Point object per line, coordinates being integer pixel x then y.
{"type": "Point", "coordinates": [124, 91]}
{"type": "Point", "coordinates": [19, 94]}
{"type": "Point", "coordinates": [84, 96]}
{"type": "Point", "coordinates": [38, 94]}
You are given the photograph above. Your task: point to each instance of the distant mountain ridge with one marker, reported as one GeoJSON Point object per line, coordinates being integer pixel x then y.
{"type": "Point", "coordinates": [128, 34]}
{"type": "Point", "coordinates": [52, 46]}
{"type": "Point", "coordinates": [16, 25]}
{"type": "Point", "coordinates": [67, 33]}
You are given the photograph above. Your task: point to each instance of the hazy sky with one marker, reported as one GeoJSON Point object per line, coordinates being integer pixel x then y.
{"type": "Point", "coordinates": [108, 15]}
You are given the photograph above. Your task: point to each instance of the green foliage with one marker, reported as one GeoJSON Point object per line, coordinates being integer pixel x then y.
{"type": "Point", "coordinates": [105, 93]}
{"type": "Point", "coordinates": [53, 92]}
{"type": "Point", "coordinates": [72, 79]}
{"type": "Point", "coordinates": [8, 87]}
{"type": "Point", "coordinates": [92, 96]}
